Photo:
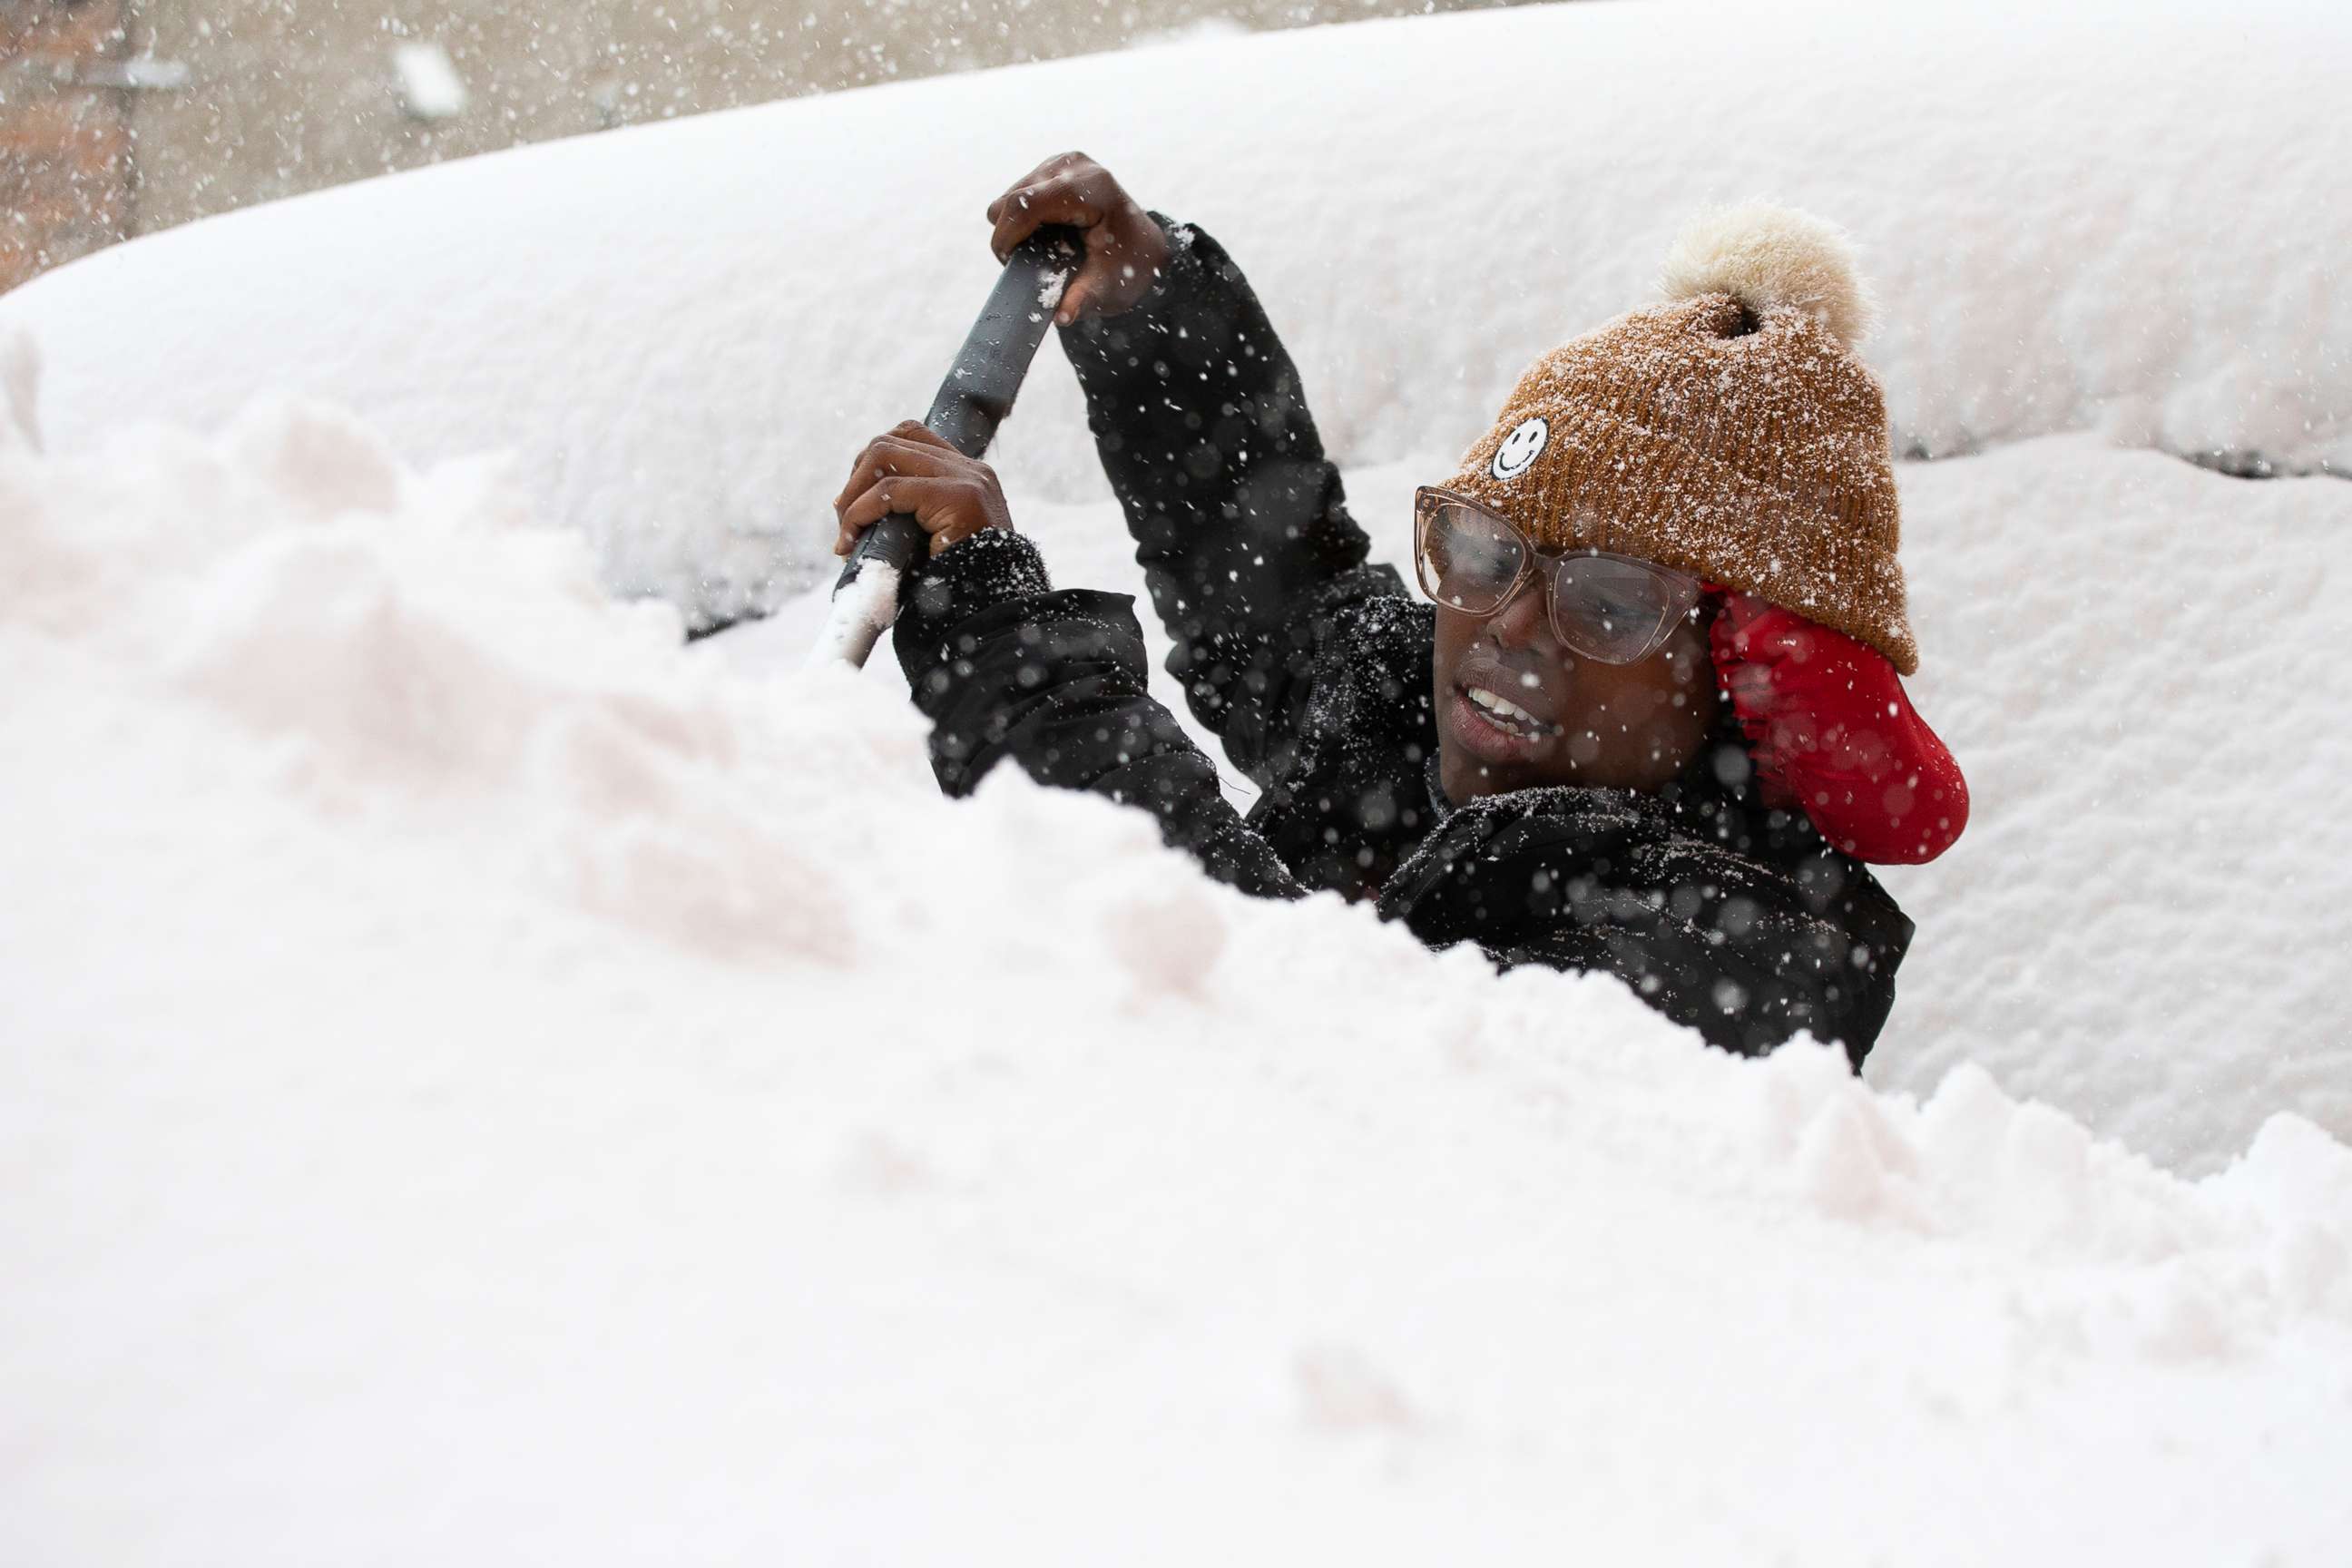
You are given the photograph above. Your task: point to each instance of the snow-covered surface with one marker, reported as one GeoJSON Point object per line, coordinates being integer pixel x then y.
{"type": "Point", "coordinates": [487, 1085]}
{"type": "Point", "coordinates": [2119, 216]}
{"type": "Point", "coordinates": [2141, 666]}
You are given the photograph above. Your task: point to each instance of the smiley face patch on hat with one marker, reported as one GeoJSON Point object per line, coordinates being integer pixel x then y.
{"type": "Point", "coordinates": [1520, 448]}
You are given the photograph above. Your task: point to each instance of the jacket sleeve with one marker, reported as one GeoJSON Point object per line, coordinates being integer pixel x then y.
{"type": "Point", "coordinates": [1240, 522]}
{"type": "Point", "coordinates": [1005, 667]}
{"type": "Point", "coordinates": [1746, 951]}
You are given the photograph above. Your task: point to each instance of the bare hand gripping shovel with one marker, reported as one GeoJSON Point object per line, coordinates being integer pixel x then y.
{"type": "Point", "coordinates": [974, 399]}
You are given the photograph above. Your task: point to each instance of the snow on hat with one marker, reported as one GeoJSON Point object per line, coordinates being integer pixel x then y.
{"type": "Point", "coordinates": [1731, 432]}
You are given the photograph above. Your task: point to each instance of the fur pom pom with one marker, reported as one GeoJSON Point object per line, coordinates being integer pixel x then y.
{"type": "Point", "coordinates": [1765, 255]}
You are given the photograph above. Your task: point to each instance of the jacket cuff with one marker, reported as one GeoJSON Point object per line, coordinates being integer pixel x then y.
{"type": "Point", "coordinates": [970, 576]}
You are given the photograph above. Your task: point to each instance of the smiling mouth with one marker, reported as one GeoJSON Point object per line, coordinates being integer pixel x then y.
{"type": "Point", "coordinates": [1508, 716]}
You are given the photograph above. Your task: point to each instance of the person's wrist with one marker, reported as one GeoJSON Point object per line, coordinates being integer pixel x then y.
{"type": "Point", "coordinates": [1155, 251]}
{"type": "Point", "coordinates": [1149, 240]}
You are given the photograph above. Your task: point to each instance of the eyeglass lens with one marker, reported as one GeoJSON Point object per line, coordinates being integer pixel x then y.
{"type": "Point", "coordinates": [1468, 560]}
{"type": "Point", "coordinates": [1612, 610]}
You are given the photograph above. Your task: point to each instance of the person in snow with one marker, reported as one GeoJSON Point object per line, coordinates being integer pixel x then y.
{"type": "Point", "coordinates": [1649, 720]}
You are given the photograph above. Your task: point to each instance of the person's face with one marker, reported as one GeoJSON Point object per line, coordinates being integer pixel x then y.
{"type": "Point", "coordinates": [1580, 721]}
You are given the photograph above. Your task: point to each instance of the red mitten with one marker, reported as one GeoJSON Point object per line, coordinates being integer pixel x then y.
{"type": "Point", "coordinates": [1831, 732]}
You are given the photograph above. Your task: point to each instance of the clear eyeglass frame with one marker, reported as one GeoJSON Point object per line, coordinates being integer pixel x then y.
{"type": "Point", "coordinates": [1651, 600]}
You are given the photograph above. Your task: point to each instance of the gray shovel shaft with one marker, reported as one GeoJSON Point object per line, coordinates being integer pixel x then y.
{"type": "Point", "coordinates": [972, 401]}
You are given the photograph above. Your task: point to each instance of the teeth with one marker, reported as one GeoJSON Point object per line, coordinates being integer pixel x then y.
{"type": "Point", "coordinates": [1503, 708]}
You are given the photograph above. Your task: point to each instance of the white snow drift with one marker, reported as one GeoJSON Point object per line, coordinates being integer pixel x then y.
{"type": "Point", "coordinates": [487, 1084]}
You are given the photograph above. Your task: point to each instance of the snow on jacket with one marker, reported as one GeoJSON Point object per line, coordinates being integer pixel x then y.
{"type": "Point", "coordinates": [1312, 667]}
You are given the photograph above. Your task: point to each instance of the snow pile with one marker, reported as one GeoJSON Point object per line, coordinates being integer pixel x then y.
{"type": "Point", "coordinates": [2150, 923]}
{"type": "Point", "coordinates": [485, 1083]}
{"type": "Point", "coordinates": [2116, 216]}
{"type": "Point", "coordinates": [2140, 665]}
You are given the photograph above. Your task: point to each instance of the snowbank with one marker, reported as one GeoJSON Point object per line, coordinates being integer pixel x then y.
{"type": "Point", "coordinates": [2113, 219]}
{"type": "Point", "coordinates": [2141, 666]}
{"type": "Point", "coordinates": [2116, 216]}
{"type": "Point", "coordinates": [487, 1084]}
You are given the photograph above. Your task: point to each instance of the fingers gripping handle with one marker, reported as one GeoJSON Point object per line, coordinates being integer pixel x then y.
{"type": "Point", "coordinates": [972, 401]}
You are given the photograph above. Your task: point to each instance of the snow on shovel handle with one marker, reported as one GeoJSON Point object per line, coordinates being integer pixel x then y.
{"type": "Point", "coordinates": [974, 399]}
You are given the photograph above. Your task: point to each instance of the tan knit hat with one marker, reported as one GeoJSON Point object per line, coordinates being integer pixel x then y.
{"type": "Point", "coordinates": [1732, 431]}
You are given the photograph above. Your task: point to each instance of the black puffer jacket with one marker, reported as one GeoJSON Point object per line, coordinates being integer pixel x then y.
{"type": "Point", "coordinates": [1314, 669]}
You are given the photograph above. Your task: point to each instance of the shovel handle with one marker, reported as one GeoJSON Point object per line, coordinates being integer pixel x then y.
{"type": "Point", "coordinates": [974, 399]}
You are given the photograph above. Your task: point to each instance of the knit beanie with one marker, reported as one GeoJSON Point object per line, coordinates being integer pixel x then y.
{"type": "Point", "coordinates": [1731, 432]}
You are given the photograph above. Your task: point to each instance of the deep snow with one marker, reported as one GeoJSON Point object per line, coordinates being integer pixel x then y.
{"type": "Point", "coordinates": [685, 332]}
{"type": "Point", "coordinates": [486, 1082]}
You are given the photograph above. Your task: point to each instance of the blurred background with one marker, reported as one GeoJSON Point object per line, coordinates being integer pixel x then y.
{"type": "Point", "coordinates": [121, 117]}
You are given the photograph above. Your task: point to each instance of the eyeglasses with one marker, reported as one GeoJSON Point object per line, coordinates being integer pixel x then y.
{"type": "Point", "coordinates": [1617, 609]}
